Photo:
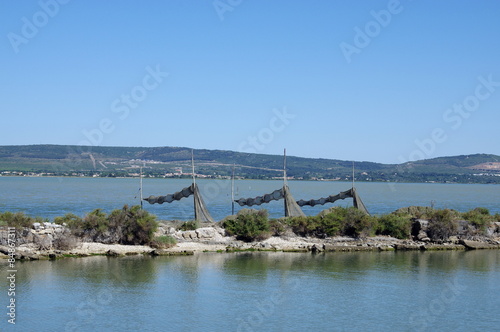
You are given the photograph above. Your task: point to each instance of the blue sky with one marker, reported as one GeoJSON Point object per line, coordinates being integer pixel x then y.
{"type": "Point", "coordinates": [384, 81]}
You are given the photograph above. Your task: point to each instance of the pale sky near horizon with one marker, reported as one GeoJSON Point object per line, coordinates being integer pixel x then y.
{"type": "Point", "coordinates": [382, 81]}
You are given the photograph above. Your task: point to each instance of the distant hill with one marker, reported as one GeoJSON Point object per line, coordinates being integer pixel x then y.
{"type": "Point", "coordinates": [67, 160]}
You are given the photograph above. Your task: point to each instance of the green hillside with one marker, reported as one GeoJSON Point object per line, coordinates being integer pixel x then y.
{"type": "Point", "coordinates": [65, 160]}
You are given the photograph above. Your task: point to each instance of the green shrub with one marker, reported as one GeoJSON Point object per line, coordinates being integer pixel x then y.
{"type": "Point", "coordinates": [303, 226]}
{"type": "Point", "coordinates": [190, 225]}
{"type": "Point", "coordinates": [358, 224]}
{"type": "Point", "coordinates": [395, 225]}
{"type": "Point", "coordinates": [138, 225]}
{"type": "Point", "coordinates": [333, 222]}
{"type": "Point", "coordinates": [417, 212]}
{"type": "Point", "coordinates": [442, 224]}
{"type": "Point", "coordinates": [125, 226]}
{"type": "Point", "coordinates": [480, 218]}
{"type": "Point", "coordinates": [249, 225]}
{"type": "Point", "coordinates": [72, 221]}
{"type": "Point", "coordinates": [163, 242]}
{"type": "Point", "coordinates": [277, 227]}
{"type": "Point", "coordinates": [19, 220]}
{"type": "Point", "coordinates": [96, 220]}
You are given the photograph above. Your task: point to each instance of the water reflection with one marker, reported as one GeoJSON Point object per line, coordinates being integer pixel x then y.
{"type": "Point", "coordinates": [260, 290]}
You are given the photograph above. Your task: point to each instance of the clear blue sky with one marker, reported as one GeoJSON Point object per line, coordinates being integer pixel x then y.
{"type": "Point", "coordinates": [354, 80]}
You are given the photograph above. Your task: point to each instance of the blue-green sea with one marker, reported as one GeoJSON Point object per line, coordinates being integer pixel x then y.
{"type": "Point", "coordinates": [367, 291]}
{"type": "Point", "coordinates": [50, 196]}
{"type": "Point", "coordinates": [258, 291]}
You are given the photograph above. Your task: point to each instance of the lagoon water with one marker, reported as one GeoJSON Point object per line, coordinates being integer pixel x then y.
{"type": "Point", "coordinates": [368, 291]}
{"type": "Point", "coordinates": [263, 291]}
{"type": "Point", "coordinates": [50, 197]}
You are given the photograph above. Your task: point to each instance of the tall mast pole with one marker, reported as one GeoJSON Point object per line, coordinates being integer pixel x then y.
{"type": "Point", "coordinates": [232, 192]}
{"type": "Point", "coordinates": [140, 189]}
{"type": "Point", "coordinates": [353, 174]}
{"type": "Point", "coordinates": [284, 165]}
{"type": "Point", "coordinates": [192, 164]}
{"type": "Point", "coordinates": [284, 178]}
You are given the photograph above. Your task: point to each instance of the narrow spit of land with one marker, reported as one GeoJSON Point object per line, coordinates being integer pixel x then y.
{"type": "Point", "coordinates": [214, 239]}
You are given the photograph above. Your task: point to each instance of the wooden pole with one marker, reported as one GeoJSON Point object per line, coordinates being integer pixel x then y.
{"type": "Point", "coordinates": [232, 192]}
{"type": "Point", "coordinates": [192, 164]}
{"type": "Point", "coordinates": [140, 189]}
{"type": "Point", "coordinates": [353, 174]}
{"type": "Point", "coordinates": [284, 166]}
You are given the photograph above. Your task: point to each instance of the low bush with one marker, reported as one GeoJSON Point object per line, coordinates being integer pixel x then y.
{"type": "Point", "coordinates": [417, 212]}
{"type": "Point", "coordinates": [163, 242]}
{"type": "Point", "coordinates": [395, 225]}
{"type": "Point", "coordinates": [480, 218]}
{"type": "Point", "coordinates": [277, 227]}
{"type": "Point", "coordinates": [65, 241]}
{"type": "Point", "coordinates": [442, 224]}
{"type": "Point", "coordinates": [249, 225]}
{"type": "Point", "coordinates": [19, 220]}
{"type": "Point", "coordinates": [190, 225]}
{"type": "Point", "coordinates": [129, 225]}
{"type": "Point", "coordinates": [334, 222]}
{"type": "Point", "coordinates": [71, 220]}
{"type": "Point", "coordinates": [302, 226]}
{"type": "Point", "coordinates": [358, 224]}
{"type": "Point", "coordinates": [138, 225]}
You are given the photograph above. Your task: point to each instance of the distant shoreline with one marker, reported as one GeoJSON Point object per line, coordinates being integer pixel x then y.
{"type": "Point", "coordinates": [245, 179]}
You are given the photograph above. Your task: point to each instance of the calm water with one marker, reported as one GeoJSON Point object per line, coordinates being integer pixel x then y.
{"type": "Point", "coordinates": [50, 197]}
{"type": "Point", "coordinates": [387, 291]}
{"type": "Point", "coordinates": [440, 291]}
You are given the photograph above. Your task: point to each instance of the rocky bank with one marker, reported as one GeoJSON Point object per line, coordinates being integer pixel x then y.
{"type": "Point", "coordinates": [51, 241]}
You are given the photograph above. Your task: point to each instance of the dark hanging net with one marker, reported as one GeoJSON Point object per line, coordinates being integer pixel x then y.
{"type": "Point", "coordinates": [200, 211]}
{"type": "Point", "coordinates": [274, 196]}
{"type": "Point", "coordinates": [186, 192]}
{"type": "Point", "coordinates": [357, 202]}
{"type": "Point", "coordinates": [291, 207]}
